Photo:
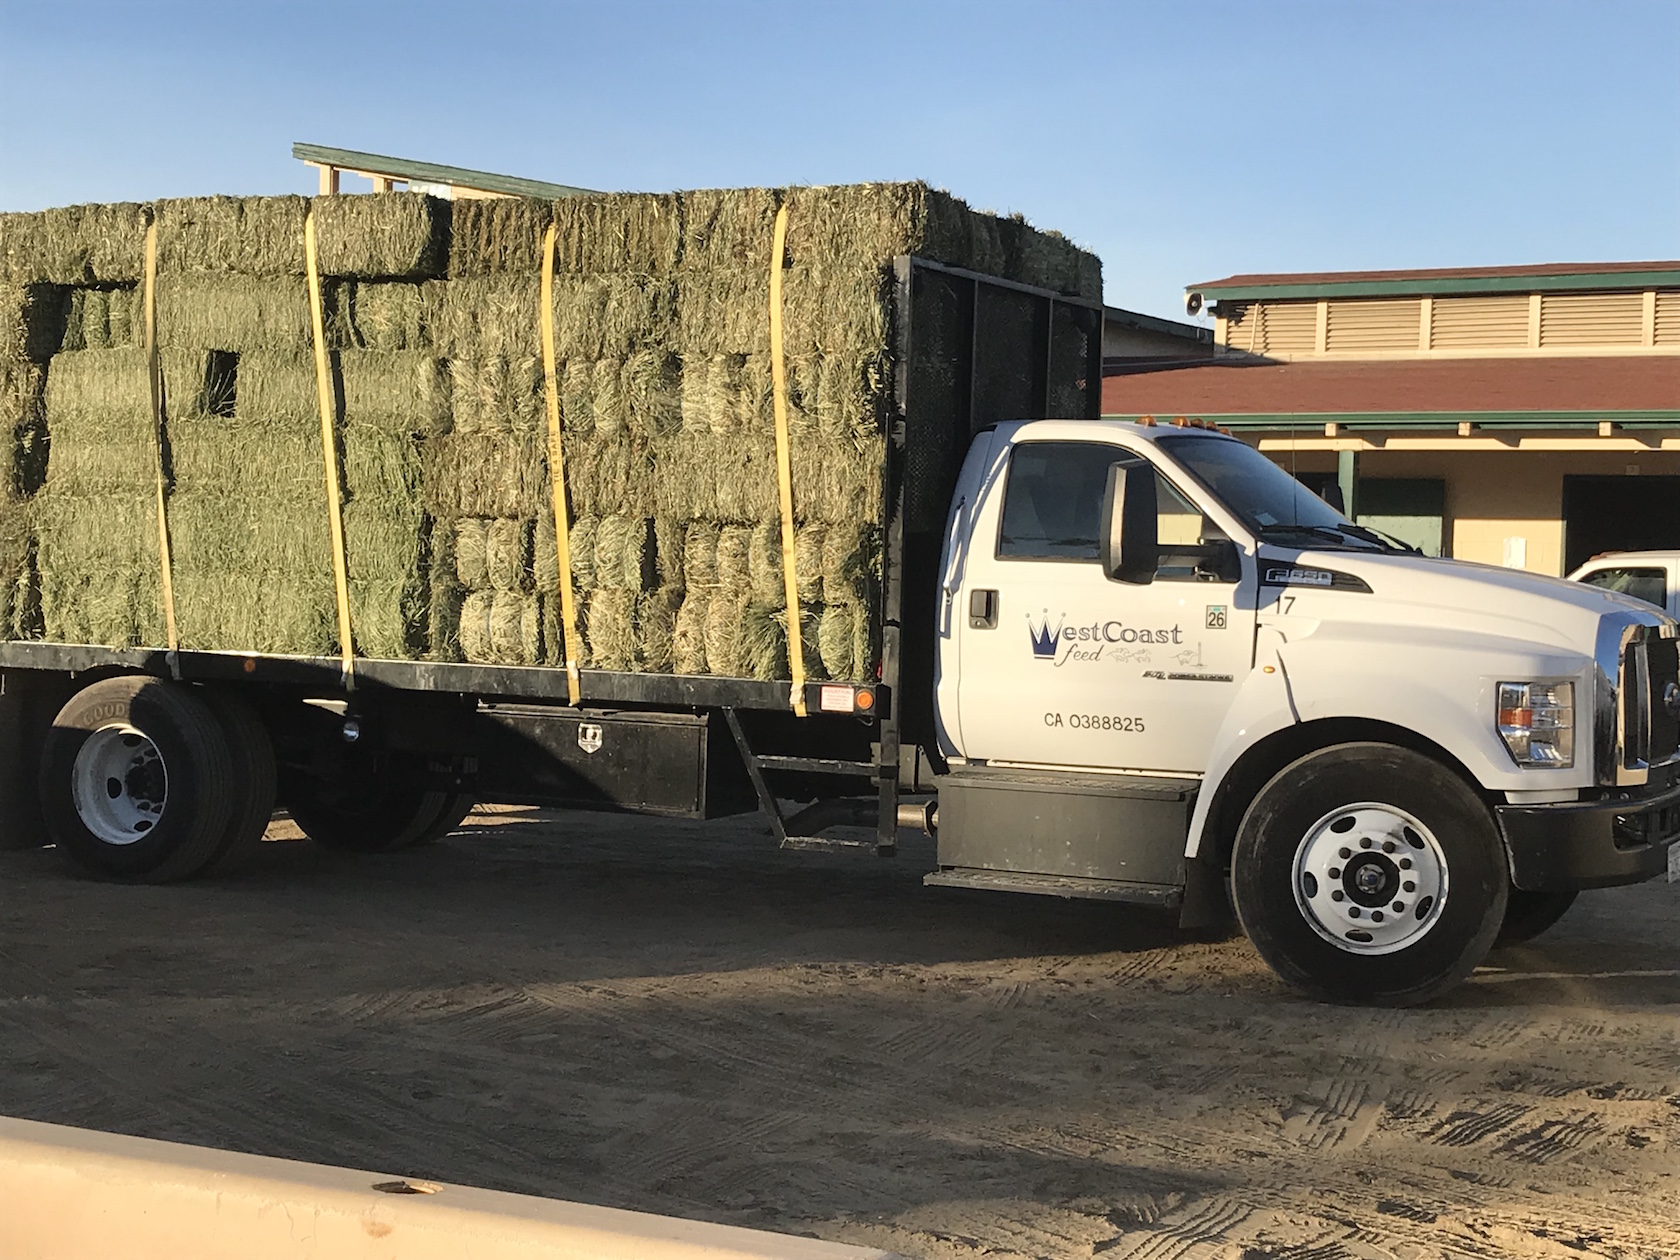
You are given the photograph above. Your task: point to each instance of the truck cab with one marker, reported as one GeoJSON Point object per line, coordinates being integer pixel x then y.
{"type": "Point", "coordinates": [1165, 669]}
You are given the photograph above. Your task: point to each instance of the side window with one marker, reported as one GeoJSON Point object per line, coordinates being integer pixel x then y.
{"type": "Point", "coordinates": [1052, 502]}
{"type": "Point", "coordinates": [1650, 585]}
{"type": "Point", "coordinates": [1052, 507]}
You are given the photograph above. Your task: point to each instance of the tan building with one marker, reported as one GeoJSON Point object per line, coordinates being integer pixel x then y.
{"type": "Point", "coordinates": [1523, 416]}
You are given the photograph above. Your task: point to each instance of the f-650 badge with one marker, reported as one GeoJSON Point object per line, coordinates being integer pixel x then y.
{"type": "Point", "coordinates": [1299, 577]}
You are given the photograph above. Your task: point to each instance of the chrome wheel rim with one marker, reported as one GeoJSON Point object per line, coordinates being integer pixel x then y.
{"type": "Point", "coordinates": [1370, 878]}
{"type": "Point", "coordinates": [119, 785]}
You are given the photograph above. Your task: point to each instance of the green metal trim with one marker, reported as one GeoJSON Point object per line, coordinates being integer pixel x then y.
{"type": "Point", "coordinates": [433, 173]}
{"type": "Point", "coordinates": [1660, 418]}
{"type": "Point", "coordinates": [1439, 286]}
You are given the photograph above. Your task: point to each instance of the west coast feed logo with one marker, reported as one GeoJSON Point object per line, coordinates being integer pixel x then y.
{"type": "Point", "coordinates": [1060, 643]}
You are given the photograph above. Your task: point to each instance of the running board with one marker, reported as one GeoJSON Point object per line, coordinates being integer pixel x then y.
{"type": "Point", "coordinates": [1165, 896]}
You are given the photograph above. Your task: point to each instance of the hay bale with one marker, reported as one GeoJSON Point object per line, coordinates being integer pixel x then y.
{"type": "Point", "coordinates": [511, 628]}
{"type": "Point", "coordinates": [496, 394]}
{"type": "Point", "coordinates": [764, 642]}
{"type": "Point", "coordinates": [700, 554]}
{"type": "Point", "coordinates": [610, 407]}
{"type": "Point", "coordinates": [653, 384]}
{"type": "Point", "coordinates": [496, 235]}
{"type": "Point", "coordinates": [383, 315]}
{"type": "Point", "coordinates": [688, 634]}
{"type": "Point", "coordinates": [724, 649]}
{"type": "Point", "coordinates": [618, 232]}
{"type": "Point", "coordinates": [475, 636]}
{"type": "Point", "coordinates": [507, 554]}
{"type": "Point", "coordinates": [624, 554]}
{"type": "Point", "coordinates": [734, 559]}
{"type": "Point", "coordinates": [91, 244]}
{"type": "Point", "coordinates": [98, 561]}
{"type": "Point", "coordinates": [850, 561]}
{"type": "Point", "coordinates": [580, 542]}
{"type": "Point", "coordinates": [384, 235]}
{"type": "Point", "coordinates": [656, 627]}
{"type": "Point", "coordinates": [836, 632]}
{"type": "Point", "coordinates": [32, 321]}
{"type": "Point", "coordinates": [379, 236]}
{"type": "Point", "coordinates": [764, 562]}
{"type": "Point", "coordinates": [23, 428]}
{"type": "Point", "coordinates": [669, 541]}
{"type": "Point", "coordinates": [480, 474]}
{"type": "Point", "coordinates": [728, 229]}
{"type": "Point", "coordinates": [610, 628]}
{"type": "Point", "coordinates": [232, 312]}
{"type": "Point", "coordinates": [472, 568]}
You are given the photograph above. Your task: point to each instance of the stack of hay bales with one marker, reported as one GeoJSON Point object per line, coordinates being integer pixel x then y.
{"type": "Point", "coordinates": [665, 383]}
{"type": "Point", "coordinates": [432, 316]}
{"type": "Point", "coordinates": [243, 456]}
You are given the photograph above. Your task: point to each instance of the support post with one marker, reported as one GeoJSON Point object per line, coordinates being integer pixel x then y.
{"type": "Point", "coordinates": [1347, 477]}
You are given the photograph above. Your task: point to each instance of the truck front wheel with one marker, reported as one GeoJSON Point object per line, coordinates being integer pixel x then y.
{"type": "Point", "coordinates": [1369, 873]}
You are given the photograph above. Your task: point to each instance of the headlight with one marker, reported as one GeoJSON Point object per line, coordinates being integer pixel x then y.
{"type": "Point", "coordinates": [1537, 723]}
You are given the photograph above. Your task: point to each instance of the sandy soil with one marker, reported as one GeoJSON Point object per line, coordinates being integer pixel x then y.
{"type": "Point", "coordinates": [678, 1018]}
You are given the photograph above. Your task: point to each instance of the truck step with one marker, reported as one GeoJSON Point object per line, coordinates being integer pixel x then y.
{"type": "Point", "coordinates": [1166, 896]}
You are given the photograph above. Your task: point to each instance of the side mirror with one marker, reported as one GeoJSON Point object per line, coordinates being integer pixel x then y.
{"type": "Point", "coordinates": [1130, 547]}
{"type": "Point", "coordinates": [1332, 494]}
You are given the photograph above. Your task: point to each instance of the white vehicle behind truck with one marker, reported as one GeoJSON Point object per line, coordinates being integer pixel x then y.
{"type": "Point", "coordinates": [1650, 576]}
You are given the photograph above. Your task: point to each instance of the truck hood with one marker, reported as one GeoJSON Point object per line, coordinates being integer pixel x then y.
{"type": "Point", "coordinates": [1434, 594]}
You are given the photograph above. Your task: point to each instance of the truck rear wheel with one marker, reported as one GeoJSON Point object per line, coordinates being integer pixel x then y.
{"type": "Point", "coordinates": [1369, 873]}
{"type": "Point", "coordinates": [394, 808]}
{"type": "Point", "coordinates": [1527, 914]}
{"type": "Point", "coordinates": [136, 780]}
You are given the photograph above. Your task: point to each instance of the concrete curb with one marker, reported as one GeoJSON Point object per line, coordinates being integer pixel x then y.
{"type": "Point", "coordinates": [76, 1194]}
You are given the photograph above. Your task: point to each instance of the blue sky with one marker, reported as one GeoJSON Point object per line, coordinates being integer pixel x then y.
{"type": "Point", "coordinates": [1181, 141]}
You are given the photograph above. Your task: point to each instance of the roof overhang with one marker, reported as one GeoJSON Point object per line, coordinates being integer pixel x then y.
{"type": "Point", "coordinates": [378, 167]}
{"type": "Point", "coordinates": [1434, 284]}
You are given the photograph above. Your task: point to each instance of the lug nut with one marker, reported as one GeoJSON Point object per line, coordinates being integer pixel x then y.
{"type": "Point", "coordinates": [1365, 842]}
{"type": "Point", "coordinates": [1399, 907]}
{"type": "Point", "coordinates": [351, 731]}
{"type": "Point", "coordinates": [1388, 846]}
{"type": "Point", "coordinates": [1405, 864]}
{"type": "Point", "coordinates": [1353, 912]}
{"type": "Point", "coordinates": [1408, 886]}
{"type": "Point", "coordinates": [1336, 895]}
{"type": "Point", "coordinates": [1335, 872]}
{"type": "Point", "coordinates": [1376, 916]}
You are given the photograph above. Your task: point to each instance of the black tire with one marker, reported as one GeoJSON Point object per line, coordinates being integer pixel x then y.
{"type": "Point", "coordinates": [391, 809]}
{"type": "Point", "coordinates": [1348, 812]}
{"type": "Point", "coordinates": [252, 753]}
{"type": "Point", "coordinates": [455, 810]}
{"type": "Point", "coordinates": [162, 751]}
{"type": "Point", "coordinates": [1527, 914]}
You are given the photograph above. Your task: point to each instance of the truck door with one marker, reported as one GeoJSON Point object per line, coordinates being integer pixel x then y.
{"type": "Point", "coordinates": [1060, 666]}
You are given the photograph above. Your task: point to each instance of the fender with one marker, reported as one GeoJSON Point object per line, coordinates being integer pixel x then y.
{"type": "Point", "coordinates": [1264, 705]}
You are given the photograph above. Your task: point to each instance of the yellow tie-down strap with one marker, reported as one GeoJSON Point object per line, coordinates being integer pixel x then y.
{"type": "Point", "coordinates": [154, 377]}
{"type": "Point", "coordinates": [557, 478]}
{"type": "Point", "coordinates": [329, 457]}
{"type": "Point", "coordinates": [784, 468]}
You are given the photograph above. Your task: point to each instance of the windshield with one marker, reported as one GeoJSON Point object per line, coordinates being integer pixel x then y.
{"type": "Point", "coordinates": [1264, 497]}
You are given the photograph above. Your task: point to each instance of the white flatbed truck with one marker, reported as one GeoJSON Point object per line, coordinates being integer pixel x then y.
{"type": "Point", "coordinates": [1129, 662]}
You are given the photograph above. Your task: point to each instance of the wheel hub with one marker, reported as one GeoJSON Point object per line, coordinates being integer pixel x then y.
{"type": "Point", "coordinates": [1370, 878]}
{"type": "Point", "coordinates": [119, 785]}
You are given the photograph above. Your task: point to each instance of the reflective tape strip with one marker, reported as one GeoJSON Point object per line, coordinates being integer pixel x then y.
{"type": "Point", "coordinates": [784, 468]}
{"type": "Point", "coordinates": [329, 457]}
{"type": "Point", "coordinates": [557, 477]}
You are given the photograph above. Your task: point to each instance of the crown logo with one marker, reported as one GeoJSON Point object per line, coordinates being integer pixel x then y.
{"type": "Point", "coordinates": [1043, 637]}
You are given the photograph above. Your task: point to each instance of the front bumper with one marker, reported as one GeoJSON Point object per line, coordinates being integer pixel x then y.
{"type": "Point", "coordinates": [1622, 839]}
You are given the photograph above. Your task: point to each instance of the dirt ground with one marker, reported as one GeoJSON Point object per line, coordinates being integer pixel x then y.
{"type": "Point", "coordinates": [677, 1018]}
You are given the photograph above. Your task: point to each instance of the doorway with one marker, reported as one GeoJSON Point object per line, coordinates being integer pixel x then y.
{"type": "Point", "coordinates": [1633, 513]}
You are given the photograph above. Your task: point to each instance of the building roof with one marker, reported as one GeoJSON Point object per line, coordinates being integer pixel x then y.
{"type": "Point", "coordinates": [1155, 324]}
{"type": "Point", "coordinates": [410, 171]}
{"type": "Point", "coordinates": [1548, 277]}
{"type": "Point", "coordinates": [1514, 392]}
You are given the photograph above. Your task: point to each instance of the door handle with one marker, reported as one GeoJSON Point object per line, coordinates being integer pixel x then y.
{"type": "Point", "coordinates": [982, 610]}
